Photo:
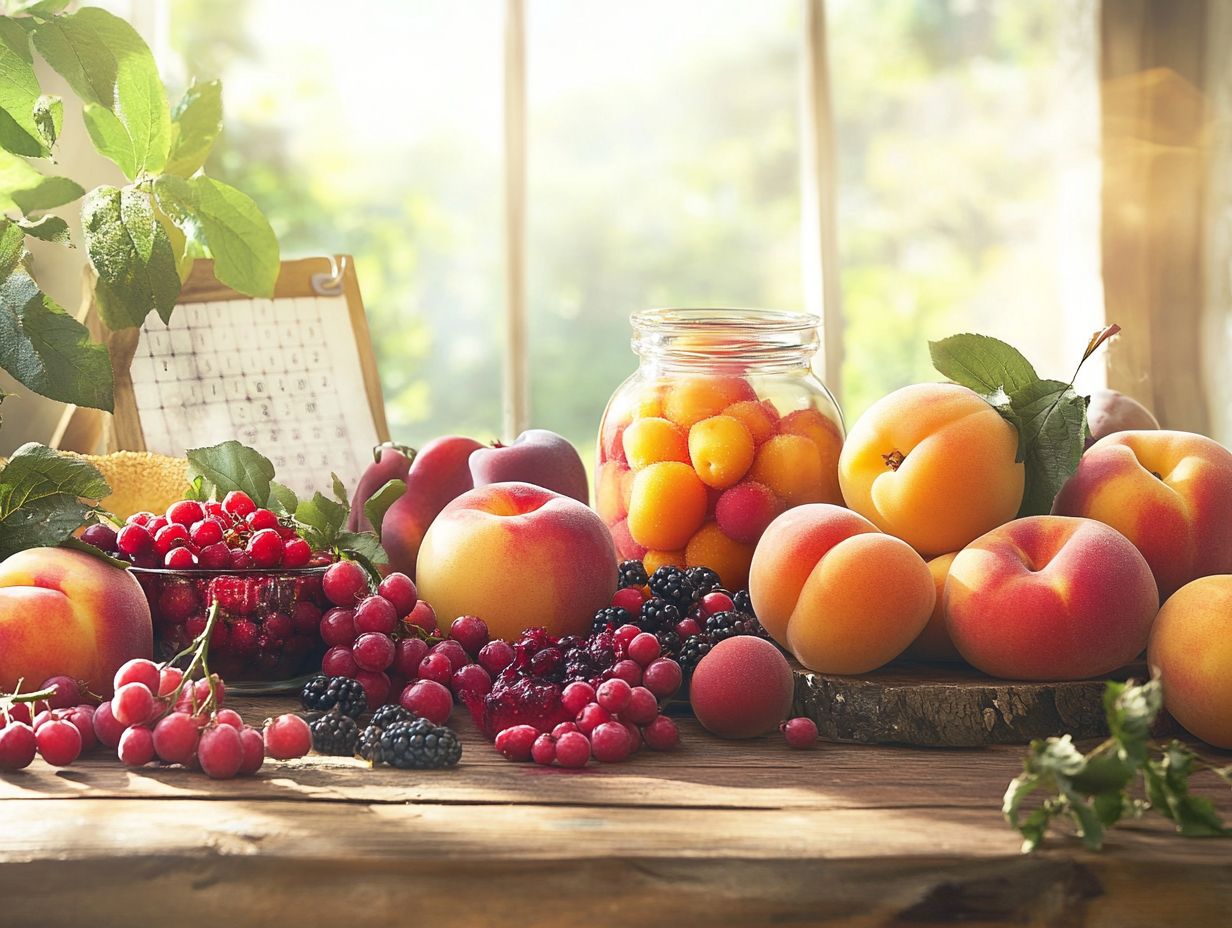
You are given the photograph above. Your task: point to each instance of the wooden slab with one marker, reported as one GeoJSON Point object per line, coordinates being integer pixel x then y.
{"type": "Point", "coordinates": [936, 705]}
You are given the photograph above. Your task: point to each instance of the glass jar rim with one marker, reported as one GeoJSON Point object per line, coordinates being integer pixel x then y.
{"type": "Point", "coordinates": [743, 320]}
{"type": "Point", "coordinates": [726, 338]}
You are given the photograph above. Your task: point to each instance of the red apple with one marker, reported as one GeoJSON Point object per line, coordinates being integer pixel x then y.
{"type": "Point", "coordinates": [66, 612]}
{"type": "Point", "coordinates": [518, 556]}
{"type": "Point", "coordinates": [538, 457]}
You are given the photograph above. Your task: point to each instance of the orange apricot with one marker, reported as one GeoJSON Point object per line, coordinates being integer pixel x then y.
{"type": "Point", "coordinates": [729, 559]}
{"type": "Point", "coordinates": [790, 465]}
{"type": "Point", "coordinates": [651, 440]}
{"type": "Point", "coordinates": [721, 450]}
{"type": "Point", "coordinates": [653, 560]}
{"type": "Point", "coordinates": [825, 433]}
{"type": "Point", "coordinates": [755, 415]}
{"type": "Point", "coordinates": [692, 399]}
{"type": "Point", "coordinates": [667, 506]}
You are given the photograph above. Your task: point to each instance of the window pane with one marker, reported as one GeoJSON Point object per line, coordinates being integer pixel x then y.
{"type": "Point", "coordinates": [663, 170]}
{"type": "Point", "coordinates": [377, 133]}
{"type": "Point", "coordinates": [968, 136]}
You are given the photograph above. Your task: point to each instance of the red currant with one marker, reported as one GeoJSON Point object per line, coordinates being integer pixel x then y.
{"type": "Point", "coordinates": [609, 743]}
{"type": "Point", "coordinates": [180, 559]}
{"type": "Point", "coordinates": [515, 742]}
{"type": "Point", "coordinates": [170, 536]}
{"type": "Point", "coordinates": [661, 734]}
{"type": "Point", "coordinates": [133, 539]}
{"type": "Point", "coordinates": [265, 547]}
{"type": "Point", "coordinates": [296, 553]}
{"type": "Point", "coordinates": [800, 732]}
{"type": "Point", "coordinates": [238, 504]}
{"type": "Point", "coordinates": [572, 750]}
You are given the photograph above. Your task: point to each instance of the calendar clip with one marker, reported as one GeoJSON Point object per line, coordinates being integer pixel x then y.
{"type": "Point", "coordinates": [330, 284]}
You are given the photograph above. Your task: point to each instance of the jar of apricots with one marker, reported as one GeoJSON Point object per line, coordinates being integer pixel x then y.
{"type": "Point", "coordinates": [722, 427]}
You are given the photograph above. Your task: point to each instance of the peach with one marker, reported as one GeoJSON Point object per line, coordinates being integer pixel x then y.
{"type": "Point", "coordinates": [626, 547]}
{"type": "Point", "coordinates": [66, 612]}
{"type": "Point", "coordinates": [651, 440]}
{"type": "Point", "coordinates": [836, 592]}
{"type": "Point", "coordinates": [1170, 493]}
{"type": "Point", "coordinates": [934, 644]}
{"type": "Point", "coordinates": [828, 437]}
{"type": "Point", "coordinates": [710, 547]}
{"type": "Point", "coordinates": [932, 464]}
{"type": "Point", "coordinates": [479, 552]}
{"type": "Point", "coordinates": [692, 399]}
{"type": "Point", "coordinates": [744, 511]}
{"type": "Point", "coordinates": [743, 688]}
{"type": "Point", "coordinates": [667, 505]}
{"type": "Point", "coordinates": [721, 450]}
{"type": "Point", "coordinates": [790, 465]}
{"type": "Point", "coordinates": [759, 417]}
{"type": "Point", "coordinates": [609, 492]}
{"type": "Point", "coordinates": [1050, 598]}
{"type": "Point", "coordinates": [1191, 650]}
{"type": "Point", "coordinates": [1111, 411]}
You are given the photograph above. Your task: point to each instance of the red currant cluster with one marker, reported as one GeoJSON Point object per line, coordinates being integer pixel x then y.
{"type": "Point", "coordinates": [232, 535]}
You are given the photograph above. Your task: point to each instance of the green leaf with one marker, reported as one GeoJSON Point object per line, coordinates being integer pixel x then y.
{"type": "Point", "coordinates": [109, 66]}
{"type": "Point", "coordinates": [1168, 791]}
{"type": "Point", "coordinates": [339, 488]}
{"type": "Point", "coordinates": [1052, 420]}
{"type": "Point", "coordinates": [229, 225]}
{"type": "Point", "coordinates": [20, 132]}
{"type": "Point", "coordinates": [24, 189]}
{"type": "Point", "coordinates": [41, 494]}
{"type": "Point", "coordinates": [196, 122]}
{"type": "Point", "coordinates": [982, 363]}
{"type": "Point", "coordinates": [197, 489]}
{"type": "Point", "coordinates": [48, 229]}
{"type": "Point", "coordinates": [320, 519]}
{"type": "Point", "coordinates": [49, 118]}
{"type": "Point", "coordinates": [38, 7]}
{"type": "Point", "coordinates": [379, 502]}
{"type": "Point", "coordinates": [43, 347]}
{"type": "Point", "coordinates": [129, 250]}
{"type": "Point", "coordinates": [363, 547]}
{"type": "Point", "coordinates": [282, 499]}
{"type": "Point", "coordinates": [232, 466]}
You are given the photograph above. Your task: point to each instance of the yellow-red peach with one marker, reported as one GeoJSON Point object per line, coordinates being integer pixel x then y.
{"type": "Point", "coordinates": [1170, 493]}
{"type": "Point", "coordinates": [479, 552]}
{"type": "Point", "coordinates": [65, 612]}
{"type": "Point", "coordinates": [932, 464]}
{"type": "Point", "coordinates": [1191, 650]}
{"type": "Point", "coordinates": [934, 644]}
{"type": "Point", "coordinates": [836, 592]}
{"type": "Point", "coordinates": [1050, 598]}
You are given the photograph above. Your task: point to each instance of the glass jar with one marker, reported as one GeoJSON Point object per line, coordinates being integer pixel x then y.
{"type": "Point", "coordinates": [722, 427]}
{"type": "Point", "coordinates": [268, 627]}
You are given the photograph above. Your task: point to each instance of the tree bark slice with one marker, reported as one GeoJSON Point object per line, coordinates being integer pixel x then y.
{"type": "Point", "coordinates": [934, 705]}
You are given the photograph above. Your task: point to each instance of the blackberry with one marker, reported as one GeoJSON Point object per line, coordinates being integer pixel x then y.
{"type": "Point", "coordinates": [631, 573]}
{"type": "Point", "coordinates": [704, 580]}
{"type": "Point", "coordinates": [724, 625]}
{"type": "Point", "coordinates": [369, 744]}
{"type": "Point", "coordinates": [657, 614]}
{"type": "Point", "coordinates": [695, 647]}
{"type": "Point", "coordinates": [334, 733]}
{"type": "Point", "coordinates": [671, 583]}
{"type": "Point", "coordinates": [419, 745]}
{"type": "Point", "coordinates": [386, 715]}
{"type": "Point", "coordinates": [610, 617]}
{"type": "Point", "coordinates": [740, 599]}
{"type": "Point", "coordinates": [323, 693]}
{"type": "Point", "coordinates": [669, 642]}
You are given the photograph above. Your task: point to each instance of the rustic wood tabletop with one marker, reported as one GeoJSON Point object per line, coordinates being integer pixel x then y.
{"type": "Point", "coordinates": [716, 833]}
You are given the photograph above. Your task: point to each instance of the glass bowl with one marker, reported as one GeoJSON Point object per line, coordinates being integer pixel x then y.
{"type": "Point", "coordinates": [268, 627]}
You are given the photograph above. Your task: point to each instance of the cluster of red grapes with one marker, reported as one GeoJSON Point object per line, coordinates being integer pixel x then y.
{"type": "Point", "coordinates": [234, 534]}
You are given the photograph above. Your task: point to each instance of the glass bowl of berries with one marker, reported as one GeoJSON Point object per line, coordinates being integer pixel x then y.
{"type": "Point", "coordinates": [264, 579]}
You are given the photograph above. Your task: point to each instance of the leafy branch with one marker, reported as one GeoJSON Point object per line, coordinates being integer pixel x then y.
{"type": "Point", "coordinates": [1096, 790]}
{"type": "Point", "coordinates": [140, 238]}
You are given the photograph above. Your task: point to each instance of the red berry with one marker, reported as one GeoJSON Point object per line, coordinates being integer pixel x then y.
{"type": "Point", "coordinates": [254, 750]}
{"type": "Point", "coordinates": [613, 695]}
{"type": "Point", "coordinates": [624, 635]}
{"type": "Point", "coordinates": [175, 738]}
{"type": "Point", "coordinates": [287, 736]}
{"type": "Point", "coordinates": [591, 717]}
{"type": "Point", "coordinates": [376, 614]}
{"type": "Point", "coordinates": [800, 732]}
{"type": "Point", "coordinates": [572, 750]}
{"type": "Point", "coordinates": [214, 509]}
{"type": "Point", "coordinates": [277, 626]}
{"type": "Point", "coordinates": [214, 557]}
{"type": "Point", "coordinates": [139, 518]}
{"type": "Point", "coordinates": [577, 696]}
{"type": "Point", "coordinates": [201, 689]}
{"type": "Point", "coordinates": [339, 662]}
{"type": "Point", "coordinates": [238, 504]}
{"type": "Point", "coordinates": [156, 524]}
{"type": "Point", "coordinates": [716, 602]}
{"type": "Point", "coordinates": [453, 651]}
{"type": "Point", "coordinates": [244, 635]}
{"type": "Point", "coordinates": [132, 704]}
{"type": "Point", "coordinates": [688, 627]}
{"type": "Point", "coordinates": [186, 512]}
{"type": "Point", "coordinates": [495, 656]}
{"type": "Point", "coordinates": [408, 652]}
{"type": "Point", "coordinates": [515, 742]}
{"type": "Point", "coordinates": [180, 559]}
{"type": "Point", "coordinates": [101, 536]}
{"type": "Point", "coordinates": [373, 651]}
{"type": "Point", "coordinates": [18, 712]}
{"type": "Point", "coordinates": [67, 692]}
{"type": "Point", "coordinates": [338, 627]}
{"type": "Point", "coordinates": [170, 536]}
{"type": "Point", "coordinates": [471, 679]}
{"type": "Point", "coordinates": [563, 727]}
{"type": "Point", "coordinates": [138, 670]}
{"type": "Point", "coordinates": [106, 728]}
{"type": "Point", "coordinates": [629, 599]}
{"type": "Point", "coordinates": [241, 559]}
{"type": "Point", "coordinates": [436, 667]}
{"type": "Point", "coordinates": [377, 686]}
{"type": "Point", "coordinates": [265, 547]}
{"type": "Point", "coordinates": [177, 600]}
{"type": "Point", "coordinates": [422, 616]}
{"type": "Point", "coordinates": [296, 553]}
{"type": "Point", "coordinates": [18, 745]}
{"type": "Point", "coordinates": [136, 747]}
{"type": "Point", "coordinates": [400, 590]}
{"type": "Point", "coordinates": [644, 648]}
{"type": "Point", "coordinates": [642, 707]}
{"type": "Point", "coordinates": [663, 677]}
{"type": "Point", "coordinates": [609, 743]}
{"type": "Point", "coordinates": [59, 742]}
{"type": "Point", "coordinates": [344, 583]}
{"type": "Point", "coordinates": [260, 519]}
{"type": "Point", "coordinates": [229, 717]}
{"type": "Point", "coordinates": [83, 718]}
{"type": "Point", "coordinates": [469, 631]}
{"type": "Point", "coordinates": [206, 532]}
{"type": "Point", "coordinates": [168, 679]}
{"type": "Point", "coordinates": [428, 699]}
{"type": "Point", "coordinates": [628, 670]}
{"type": "Point", "coordinates": [543, 750]}
{"type": "Point", "coordinates": [306, 617]}
{"type": "Point", "coordinates": [635, 737]}
{"type": "Point", "coordinates": [133, 540]}
{"type": "Point", "coordinates": [661, 734]}
{"type": "Point", "coordinates": [220, 752]}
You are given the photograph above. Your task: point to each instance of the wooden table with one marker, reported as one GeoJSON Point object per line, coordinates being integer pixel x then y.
{"type": "Point", "coordinates": [717, 833]}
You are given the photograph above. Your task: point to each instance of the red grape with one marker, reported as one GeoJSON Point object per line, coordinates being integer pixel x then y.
{"type": "Point", "coordinates": [428, 699]}
{"type": "Point", "coordinates": [221, 752]}
{"type": "Point", "coordinates": [344, 583]}
{"type": "Point", "coordinates": [59, 742]}
{"type": "Point", "coordinates": [175, 738]}
{"type": "Point", "coordinates": [373, 651]}
{"type": "Point", "coordinates": [17, 746]}
{"type": "Point", "coordinates": [132, 704]}
{"type": "Point", "coordinates": [400, 590]}
{"type": "Point", "coordinates": [136, 747]}
{"type": "Point", "coordinates": [254, 750]}
{"type": "Point", "coordinates": [138, 670]}
{"type": "Point", "coordinates": [376, 614]}
{"type": "Point", "coordinates": [287, 736]}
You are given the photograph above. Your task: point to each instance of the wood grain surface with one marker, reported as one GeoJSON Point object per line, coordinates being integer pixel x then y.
{"type": "Point", "coordinates": [717, 833]}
